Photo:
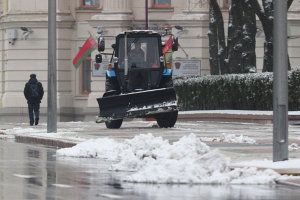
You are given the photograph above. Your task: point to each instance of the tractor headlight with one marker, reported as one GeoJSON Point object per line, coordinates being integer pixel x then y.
{"type": "Point", "coordinates": [116, 59]}
{"type": "Point", "coordinates": [161, 59]}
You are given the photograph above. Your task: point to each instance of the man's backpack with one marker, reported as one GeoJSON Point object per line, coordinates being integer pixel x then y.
{"type": "Point", "coordinates": [34, 91]}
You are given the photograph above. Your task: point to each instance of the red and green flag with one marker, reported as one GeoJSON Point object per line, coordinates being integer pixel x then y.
{"type": "Point", "coordinates": [89, 46]}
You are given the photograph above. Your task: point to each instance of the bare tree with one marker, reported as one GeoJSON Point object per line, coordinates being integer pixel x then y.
{"type": "Point", "coordinates": [234, 42]}
{"type": "Point", "coordinates": [213, 41]}
{"type": "Point", "coordinates": [239, 55]}
{"type": "Point", "coordinates": [218, 29]}
{"type": "Point", "coordinates": [249, 40]}
{"type": "Point", "coordinates": [265, 15]}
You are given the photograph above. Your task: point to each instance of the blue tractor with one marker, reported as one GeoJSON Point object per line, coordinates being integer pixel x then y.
{"type": "Point", "coordinates": [138, 81]}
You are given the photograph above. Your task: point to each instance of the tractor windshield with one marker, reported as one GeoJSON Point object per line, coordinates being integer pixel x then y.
{"type": "Point", "coordinates": [141, 52]}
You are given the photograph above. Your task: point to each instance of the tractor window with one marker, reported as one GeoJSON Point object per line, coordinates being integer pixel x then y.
{"type": "Point", "coordinates": [141, 52]}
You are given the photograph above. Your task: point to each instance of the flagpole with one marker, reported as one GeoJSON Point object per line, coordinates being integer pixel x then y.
{"type": "Point", "coordinates": [90, 34]}
{"type": "Point", "coordinates": [146, 17]}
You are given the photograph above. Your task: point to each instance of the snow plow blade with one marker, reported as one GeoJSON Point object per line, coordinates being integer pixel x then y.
{"type": "Point", "coordinates": [136, 104]}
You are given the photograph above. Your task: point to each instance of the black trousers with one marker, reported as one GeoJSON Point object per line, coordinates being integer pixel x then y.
{"type": "Point", "coordinates": [35, 107]}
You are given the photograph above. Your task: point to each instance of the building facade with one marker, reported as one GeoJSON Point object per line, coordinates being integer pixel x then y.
{"type": "Point", "coordinates": [78, 89]}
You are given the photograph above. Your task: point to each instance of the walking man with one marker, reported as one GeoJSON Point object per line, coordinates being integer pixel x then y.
{"type": "Point", "coordinates": [34, 93]}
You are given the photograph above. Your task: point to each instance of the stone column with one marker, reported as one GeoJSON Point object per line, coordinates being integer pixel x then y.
{"type": "Point", "coordinates": [117, 6]}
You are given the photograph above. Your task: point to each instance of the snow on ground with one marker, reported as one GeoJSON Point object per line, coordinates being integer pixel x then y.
{"type": "Point", "coordinates": [152, 124]}
{"type": "Point", "coordinates": [2, 136]}
{"type": "Point", "coordinates": [154, 160]}
{"type": "Point", "coordinates": [293, 147]}
{"type": "Point", "coordinates": [20, 130]}
{"type": "Point", "coordinates": [43, 132]}
{"type": "Point", "coordinates": [230, 138]}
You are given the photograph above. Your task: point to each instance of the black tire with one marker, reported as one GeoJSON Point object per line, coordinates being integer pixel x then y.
{"type": "Point", "coordinates": [112, 84]}
{"type": "Point", "coordinates": [115, 124]}
{"type": "Point", "coordinates": [166, 120]}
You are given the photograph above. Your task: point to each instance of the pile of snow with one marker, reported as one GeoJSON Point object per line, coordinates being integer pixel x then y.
{"type": "Point", "coordinates": [156, 161]}
{"type": "Point", "coordinates": [102, 148]}
{"type": "Point", "coordinates": [293, 147]}
{"type": "Point", "coordinates": [230, 138]}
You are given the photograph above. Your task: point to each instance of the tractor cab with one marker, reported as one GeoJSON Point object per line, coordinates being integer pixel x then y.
{"type": "Point", "coordinates": [144, 60]}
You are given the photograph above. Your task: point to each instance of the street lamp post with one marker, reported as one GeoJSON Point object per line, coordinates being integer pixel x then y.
{"type": "Point", "coordinates": [280, 84]}
{"type": "Point", "coordinates": [52, 87]}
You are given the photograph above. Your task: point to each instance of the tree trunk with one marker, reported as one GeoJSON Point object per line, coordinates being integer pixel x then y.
{"type": "Point", "coordinates": [221, 38]}
{"type": "Point", "coordinates": [235, 31]}
{"type": "Point", "coordinates": [213, 42]}
{"type": "Point", "coordinates": [249, 32]}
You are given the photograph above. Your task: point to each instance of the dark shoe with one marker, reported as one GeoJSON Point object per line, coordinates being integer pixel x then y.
{"type": "Point", "coordinates": [31, 124]}
{"type": "Point", "coordinates": [37, 121]}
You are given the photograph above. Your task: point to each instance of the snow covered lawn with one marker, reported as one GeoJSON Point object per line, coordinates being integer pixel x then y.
{"type": "Point", "coordinates": [154, 160]}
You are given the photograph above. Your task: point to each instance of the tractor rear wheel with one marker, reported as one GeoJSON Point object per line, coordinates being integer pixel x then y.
{"type": "Point", "coordinates": [166, 120]}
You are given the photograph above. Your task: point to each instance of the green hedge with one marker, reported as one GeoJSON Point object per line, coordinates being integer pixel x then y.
{"type": "Point", "coordinates": [234, 91]}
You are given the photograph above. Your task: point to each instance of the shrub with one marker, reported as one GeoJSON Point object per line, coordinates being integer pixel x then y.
{"type": "Point", "coordinates": [234, 91]}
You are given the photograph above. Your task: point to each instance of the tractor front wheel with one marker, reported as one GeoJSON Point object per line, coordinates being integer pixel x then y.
{"type": "Point", "coordinates": [166, 120]}
{"type": "Point", "coordinates": [115, 124]}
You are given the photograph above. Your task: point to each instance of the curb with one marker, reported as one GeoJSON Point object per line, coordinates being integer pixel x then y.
{"type": "Point", "coordinates": [46, 141]}
{"type": "Point", "coordinates": [288, 183]}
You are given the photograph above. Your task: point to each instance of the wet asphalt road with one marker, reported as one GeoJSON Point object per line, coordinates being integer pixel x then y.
{"type": "Point", "coordinates": [32, 172]}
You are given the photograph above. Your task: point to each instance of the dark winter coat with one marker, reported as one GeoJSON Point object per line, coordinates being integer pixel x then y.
{"type": "Point", "coordinates": [27, 91]}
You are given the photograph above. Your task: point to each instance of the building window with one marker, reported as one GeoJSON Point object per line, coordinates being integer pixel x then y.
{"type": "Point", "coordinates": [227, 2]}
{"type": "Point", "coordinates": [86, 75]}
{"type": "Point", "coordinates": [161, 3]}
{"type": "Point", "coordinates": [90, 3]}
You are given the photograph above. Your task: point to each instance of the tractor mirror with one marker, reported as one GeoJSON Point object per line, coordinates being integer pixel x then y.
{"type": "Point", "coordinates": [101, 44]}
{"type": "Point", "coordinates": [174, 43]}
{"type": "Point", "coordinates": [113, 46]}
{"type": "Point", "coordinates": [98, 58]}
{"type": "Point", "coordinates": [161, 59]}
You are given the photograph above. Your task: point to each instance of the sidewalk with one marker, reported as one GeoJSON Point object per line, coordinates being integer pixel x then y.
{"type": "Point", "coordinates": [243, 116]}
{"type": "Point", "coordinates": [72, 133]}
